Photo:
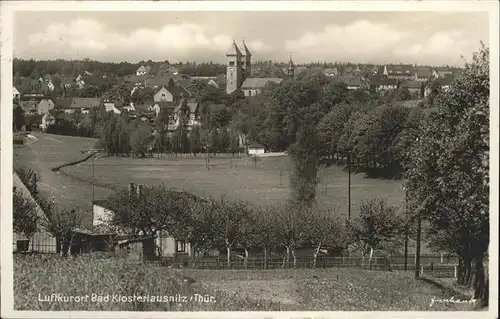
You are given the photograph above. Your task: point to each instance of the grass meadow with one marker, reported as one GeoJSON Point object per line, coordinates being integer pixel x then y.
{"type": "Point", "coordinates": [267, 182]}
{"type": "Point", "coordinates": [37, 276]}
{"type": "Point", "coordinates": [48, 151]}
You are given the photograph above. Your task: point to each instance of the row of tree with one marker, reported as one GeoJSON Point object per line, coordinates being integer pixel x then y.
{"type": "Point", "coordinates": [448, 172]}
{"type": "Point", "coordinates": [220, 224]}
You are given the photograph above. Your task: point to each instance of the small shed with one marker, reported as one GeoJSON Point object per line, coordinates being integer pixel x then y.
{"type": "Point", "coordinates": [136, 248]}
{"type": "Point", "coordinates": [256, 149]}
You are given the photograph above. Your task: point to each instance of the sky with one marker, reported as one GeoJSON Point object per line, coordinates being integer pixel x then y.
{"type": "Point", "coordinates": [431, 38]}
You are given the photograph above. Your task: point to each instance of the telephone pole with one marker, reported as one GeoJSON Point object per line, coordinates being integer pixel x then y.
{"type": "Point", "coordinates": [349, 186]}
{"type": "Point", "coordinates": [93, 152]}
{"type": "Point", "coordinates": [406, 228]}
{"type": "Point", "coordinates": [419, 235]}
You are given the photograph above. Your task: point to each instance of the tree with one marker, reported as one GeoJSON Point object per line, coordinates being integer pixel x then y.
{"type": "Point", "coordinates": [305, 155]}
{"type": "Point", "coordinates": [30, 179]}
{"type": "Point", "coordinates": [288, 225]}
{"type": "Point", "coordinates": [448, 174]}
{"type": "Point", "coordinates": [229, 218]}
{"type": "Point", "coordinates": [115, 138]}
{"type": "Point", "coordinates": [25, 215]}
{"type": "Point", "coordinates": [323, 230]}
{"type": "Point", "coordinates": [18, 118]}
{"type": "Point", "coordinates": [265, 227]}
{"type": "Point", "coordinates": [213, 142]}
{"type": "Point", "coordinates": [330, 129]}
{"type": "Point", "coordinates": [153, 210]}
{"type": "Point", "coordinates": [402, 94]}
{"type": "Point", "coordinates": [377, 227]}
{"type": "Point", "coordinates": [140, 140]}
{"type": "Point", "coordinates": [248, 238]}
{"type": "Point", "coordinates": [61, 223]}
{"type": "Point", "coordinates": [195, 140]}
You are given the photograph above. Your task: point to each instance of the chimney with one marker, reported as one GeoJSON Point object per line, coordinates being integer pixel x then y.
{"type": "Point", "coordinates": [139, 189]}
{"type": "Point", "coordinates": [131, 189]}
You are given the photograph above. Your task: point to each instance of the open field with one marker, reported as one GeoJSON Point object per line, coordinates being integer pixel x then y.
{"type": "Point", "coordinates": [265, 183]}
{"type": "Point", "coordinates": [47, 151]}
{"type": "Point", "coordinates": [292, 290]}
{"type": "Point", "coordinates": [235, 178]}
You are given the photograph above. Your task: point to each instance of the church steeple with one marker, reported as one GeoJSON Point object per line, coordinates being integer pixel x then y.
{"type": "Point", "coordinates": [234, 69]}
{"type": "Point", "coordinates": [247, 61]}
{"type": "Point", "coordinates": [291, 67]}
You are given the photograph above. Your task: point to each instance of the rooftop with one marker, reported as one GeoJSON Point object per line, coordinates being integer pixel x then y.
{"type": "Point", "coordinates": [259, 83]}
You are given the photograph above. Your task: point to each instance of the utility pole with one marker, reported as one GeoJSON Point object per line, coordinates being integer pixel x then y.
{"type": "Point", "coordinates": [419, 235]}
{"type": "Point", "coordinates": [93, 152]}
{"type": "Point", "coordinates": [406, 229]}
{"type": "Point", "coordinates": [93, 180]}
{"type": "Point", "coordinates": [349, 185]}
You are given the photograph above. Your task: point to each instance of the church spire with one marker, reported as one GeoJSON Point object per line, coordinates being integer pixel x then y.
{"type": "Point", "coordinates": [247, 52]}
{"type": "Point", "coordinates": [291, 67]}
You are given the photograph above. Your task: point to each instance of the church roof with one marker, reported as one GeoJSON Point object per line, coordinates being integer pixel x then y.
{"type": "Point", "coordinates": [247, 52]}
{"type": "Point", "coordinates": [258, 83]}
{"type": "Point", "coordinates": [233, 50]}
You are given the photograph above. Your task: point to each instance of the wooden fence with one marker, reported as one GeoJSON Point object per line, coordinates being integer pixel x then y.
{"type": "Point", "coordinates": [378, 263]}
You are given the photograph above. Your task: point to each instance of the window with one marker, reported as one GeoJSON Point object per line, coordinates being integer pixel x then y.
{"type": "Point", "coordinates": [231, 63]}
{"type": "Point", "coordinates": [180, 246]}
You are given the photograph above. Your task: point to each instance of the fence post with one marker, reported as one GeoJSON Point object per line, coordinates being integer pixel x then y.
{"type": "Point", "coordinates": [455, 271]}
{"type": "Point", "coordinates": [421, 269]}
{"type": "Point", "coordinates": [442, 258]}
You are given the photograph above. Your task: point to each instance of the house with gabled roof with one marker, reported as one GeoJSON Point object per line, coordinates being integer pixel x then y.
{"type": "Point", "coordinates": [159, 81]}
{"type": "Point", "coordinates": [193, 119]}
{"type": "Point", "coordinates": [442, 72]}
{"type": "Point", "coordinates": [15, 93]}
{"type": "Point", "coordinates": [415, 87]}
{"type": "Point", "coordinates": [443, 83]}
{"type": "Point", "coordinates": [111, 105]}
{"type": "Point", "coordinates": [385, 84]}
{"type": "Point", "coordinates": [254, 86]}
{"type": "Point", "coordinates": [400, 72]}
{"type": "Point", "coordinates": [29, 107]}
{"type": "Point", "coordinates": [331, 71]}
{"type": "Point", "coordinates": [143, 70]}
{"type": "Point", "coordinates": [76, 104]}
{"type": "Point", "coordinates": [423, 74]}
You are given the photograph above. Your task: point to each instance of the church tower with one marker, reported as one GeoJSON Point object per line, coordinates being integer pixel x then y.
{"type": "Point", "coordinates": [234, 76]}
{"type": "Point", "coordinates": [247, 61]}
{"type": "Point", "coordinates": [291, 68]}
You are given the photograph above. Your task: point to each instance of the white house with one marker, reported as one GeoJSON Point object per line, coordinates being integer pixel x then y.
{"type": "Point", "coordinates": [163, 95]}
{"type": "Point", "coordinates": [15, 93]}
{"type": "Point", "coordinates": [110, 106]}
{"type": "Point", "coordinates": [166, 246]}
{"type": "Point", "coordinates": [256, 149]}
{"type": "Point", "coordinates": [213, 83]}
{"type": "Point", "coordinates": [42, 240]}
{"type": "Point", "coordinates": [50, 86]}
{"type": "Point", "coordinates": [47, 120]}
{"type": "Point", "coordinates": [142, 70]}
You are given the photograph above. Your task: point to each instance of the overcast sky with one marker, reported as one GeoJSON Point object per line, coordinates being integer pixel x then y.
{"type": "Point", "coordinates": [378, 37]}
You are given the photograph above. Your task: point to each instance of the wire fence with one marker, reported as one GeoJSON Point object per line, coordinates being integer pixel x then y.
{"type": "Point", "coordinates": [377, 263]}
